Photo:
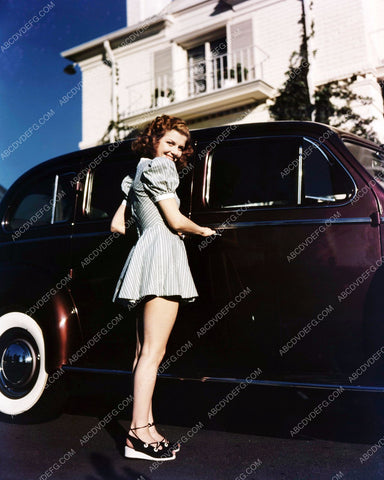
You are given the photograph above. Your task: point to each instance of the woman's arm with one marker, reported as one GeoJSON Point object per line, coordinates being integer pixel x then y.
{"type": "Point", "coordinates": [118, 220]}
{"type": "Point", "coordinates": [179, 222]}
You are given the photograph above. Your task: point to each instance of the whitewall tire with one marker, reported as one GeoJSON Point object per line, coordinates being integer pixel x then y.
{"type": "Point", "coordinates": [22, 363]}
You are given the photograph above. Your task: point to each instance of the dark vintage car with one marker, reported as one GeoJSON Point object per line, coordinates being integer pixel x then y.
{"type": "Point", "coordinates": [290, 292]}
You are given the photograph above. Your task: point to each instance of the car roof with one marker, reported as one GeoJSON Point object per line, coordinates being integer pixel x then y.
{"type": "Point", "coordinates": [289, 127]}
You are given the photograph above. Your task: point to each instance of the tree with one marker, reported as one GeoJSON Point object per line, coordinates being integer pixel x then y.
{"type": "Point", "coordinates": [122, 131]}
{"type": "Point", "coordinates": [293, 101]}
{"type": "Point", "coordinates": [332, 102]}
{"type": "Point", "coordinates": [333, 105]}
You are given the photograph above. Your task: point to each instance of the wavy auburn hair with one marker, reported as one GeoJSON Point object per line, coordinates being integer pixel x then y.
{"type": "Point", "coordinates": [145, 144]}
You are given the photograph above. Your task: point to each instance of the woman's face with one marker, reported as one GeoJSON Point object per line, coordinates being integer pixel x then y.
{"type": "Point", "coordinates": [171, 145]}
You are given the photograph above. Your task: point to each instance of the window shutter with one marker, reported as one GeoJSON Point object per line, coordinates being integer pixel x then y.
{"type": "Point", "coordinates": [163, 69]}
{"type": "Point", "coordinates": [242, 60]}
{"type": "Point", "coordinates": [241, 35]}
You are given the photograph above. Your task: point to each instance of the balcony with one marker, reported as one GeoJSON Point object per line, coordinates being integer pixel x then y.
{"type": "Point", "coordinates": [206, 86]}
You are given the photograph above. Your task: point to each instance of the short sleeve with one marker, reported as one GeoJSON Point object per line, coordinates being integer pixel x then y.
{"type": "Point", "coordinates": [160, 179]}
{"type": "Point", "coordinates": [126, 185]}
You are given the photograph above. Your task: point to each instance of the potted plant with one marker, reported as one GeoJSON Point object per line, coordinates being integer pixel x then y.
{"type": "Point", "coordinates": [161, 98]}
{"type": "Point", "coordinates": [229, 82]}
{"type": "Point", "coordinates": [171, 95]}
{"type": "Point", "coordinates": [241, 73]}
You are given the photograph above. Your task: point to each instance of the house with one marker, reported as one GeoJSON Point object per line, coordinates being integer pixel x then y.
{"type": "Point", "coordinates": [219, 62]}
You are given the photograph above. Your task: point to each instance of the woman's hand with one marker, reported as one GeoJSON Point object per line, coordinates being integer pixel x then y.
{"type": "Point", "coordinates": [179, 222]}
{"type": "Point", "coordinates": [207, 232]}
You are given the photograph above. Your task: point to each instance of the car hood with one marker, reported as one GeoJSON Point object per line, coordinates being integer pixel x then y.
{"type": "Point", "coordinates": [3, 191]}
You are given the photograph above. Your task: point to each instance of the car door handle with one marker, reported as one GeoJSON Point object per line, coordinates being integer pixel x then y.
{"type": "Point", "coordinates": [200, 240]}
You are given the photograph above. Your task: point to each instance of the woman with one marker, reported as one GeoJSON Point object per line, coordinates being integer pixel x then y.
{"type": "Point", "coordinates": [156, 272]}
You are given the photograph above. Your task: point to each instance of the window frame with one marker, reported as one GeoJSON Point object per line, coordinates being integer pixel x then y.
{"type": "Point", "coordinates": [377, 150]}
{"type": "Point", "coordinates": [208, 75]}
{"type": "Point", "coordinates": [18, 195]}
{"type": "Point", "coordinates": [324, 150]}
{"type": "Point", "coordinates": [85, 201]}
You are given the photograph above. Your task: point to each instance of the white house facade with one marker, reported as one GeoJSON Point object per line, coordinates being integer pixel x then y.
{"type": "Point", "coordinates": [219, 62]}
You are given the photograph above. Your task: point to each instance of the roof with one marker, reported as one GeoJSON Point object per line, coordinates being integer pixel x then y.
{"type": "Point", "coordinates": [129, 34]}
{"type": "Point", "coordinates": [120, 37]}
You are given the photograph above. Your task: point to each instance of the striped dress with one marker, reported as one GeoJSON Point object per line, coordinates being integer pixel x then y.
{"type": "Point", "coordinates": [157, 265]}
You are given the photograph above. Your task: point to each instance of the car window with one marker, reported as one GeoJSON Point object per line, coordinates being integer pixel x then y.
{"type": "Point", "coordinates": [250, 172]}
{"type": "Point", "coordinates": [274, 172]}
{"type": "Point", "coordinates": [44, 201]}
{"type": "Point", "coordinates": [103, 193]}
{"type": "Point", "coordinates": [372, 160]}
{"type": "Point", "coordinates": [324, 179]}
{"type": "Point", "coordinates": [64, 193]}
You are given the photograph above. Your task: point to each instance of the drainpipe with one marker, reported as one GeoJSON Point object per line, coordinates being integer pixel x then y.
{"type": "Point", "coordinates": [108, 50]}
{"type": "Point", "coordinates": [306, 8]}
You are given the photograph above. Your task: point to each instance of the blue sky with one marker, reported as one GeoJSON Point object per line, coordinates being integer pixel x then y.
{"type": "Point", "coordinates": [32, 80]}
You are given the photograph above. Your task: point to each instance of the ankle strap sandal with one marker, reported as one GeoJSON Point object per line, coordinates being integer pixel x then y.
{"type": "Point", "coordinates": [175, 447]}
{"type": "Point", "coordinates": [146, 451]}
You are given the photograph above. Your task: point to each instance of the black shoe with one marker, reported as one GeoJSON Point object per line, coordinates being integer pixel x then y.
{"type": "Point", "coordinates": [147, 451]}
{"type": "Point", "coordinates": [175, 447]}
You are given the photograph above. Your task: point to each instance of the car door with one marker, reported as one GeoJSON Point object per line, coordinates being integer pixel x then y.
{"type": "Point", "coordinates": [291, 240]}
{"type": "Point", "coordinates": [39, 222]}
{"type": "Point", "coordinates": [98, 256]}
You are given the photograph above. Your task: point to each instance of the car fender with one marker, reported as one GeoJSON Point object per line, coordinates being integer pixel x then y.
{"type": "Point", "coordinates": [48, 301]}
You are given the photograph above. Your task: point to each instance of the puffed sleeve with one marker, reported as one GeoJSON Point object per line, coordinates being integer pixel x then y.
{"type": "Point", "coordinates": [126, 185]}
{"type": "Point", "coordinates": [160, 179]}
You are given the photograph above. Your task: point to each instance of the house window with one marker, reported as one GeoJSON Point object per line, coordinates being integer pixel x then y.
{"type": "Point", "coordinates": [207, 63]}
{"type": "Point", "coordinates": [197, 70]}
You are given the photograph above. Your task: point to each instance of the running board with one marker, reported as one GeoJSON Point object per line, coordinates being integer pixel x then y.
{"type": "Point", "coordinates": [264, 383]}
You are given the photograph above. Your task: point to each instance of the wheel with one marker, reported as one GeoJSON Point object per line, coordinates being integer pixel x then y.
{"type": "Point", "coordinates": [23, 377]}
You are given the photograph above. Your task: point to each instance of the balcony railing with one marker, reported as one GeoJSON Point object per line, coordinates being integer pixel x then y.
{"type": "Point", "coordinates": [223, 71]}
{"type": "Point", "coordinates": [202, 76]}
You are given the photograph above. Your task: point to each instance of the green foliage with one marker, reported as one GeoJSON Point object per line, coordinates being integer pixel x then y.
{"type": "Point", "coordinates": [333, 105]}
{"type": "Point", "coordinates": [123, 132]}
{"type": "Point", "coordinates": [293, 102]}
{"type": "Point", "coordinates": [332, 101]}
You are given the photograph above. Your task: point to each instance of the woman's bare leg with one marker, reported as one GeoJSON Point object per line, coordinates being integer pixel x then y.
{"type": "Point", "coordinates": [138, 342]}
{"type": "Point", "coordinates": [158, 319]}
{"type": "Point", "coordinates": [153, 431]}
{"type": "Point", "coordinates": [156, 436]}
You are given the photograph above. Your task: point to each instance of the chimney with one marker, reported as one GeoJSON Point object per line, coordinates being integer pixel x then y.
{"type": "Point", "coordinates": [139, 10]}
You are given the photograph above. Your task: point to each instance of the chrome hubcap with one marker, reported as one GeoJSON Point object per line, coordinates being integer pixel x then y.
{"type": "Point", "coordinates": [19, 362]}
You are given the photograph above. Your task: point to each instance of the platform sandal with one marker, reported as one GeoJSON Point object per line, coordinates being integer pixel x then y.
{"type": "Point", "coordinates": [146, 451]}
{"type": "Point", "coordinates": [175, 447]}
